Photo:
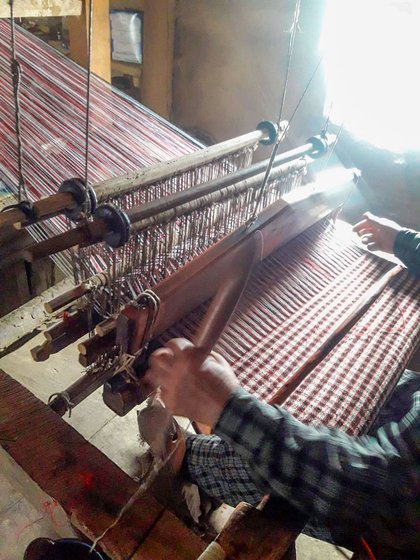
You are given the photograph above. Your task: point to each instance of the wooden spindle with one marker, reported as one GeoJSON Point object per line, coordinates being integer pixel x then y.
{"type": "Point", "coordinates": [93, 232]}
{"type": "Point", "coordinates": [94, 282]}
{"type": "Point", "coordinates": [105, 327]}
{"type": "Point", "coordinates": [97, 345]}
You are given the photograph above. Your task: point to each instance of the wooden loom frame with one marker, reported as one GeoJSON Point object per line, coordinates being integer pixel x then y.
{"type": "Point", "coordinates": [147, 530]}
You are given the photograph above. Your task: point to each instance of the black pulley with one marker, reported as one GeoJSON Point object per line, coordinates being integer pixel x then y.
{"type": "Point", "coordinates": [118, 224]}
{"type": "Point", "coordinates": [271, 129]}
{"type": "Point", "coordinates": [77, 188]}
{"type": "Point", "coordinates": [320, 146]}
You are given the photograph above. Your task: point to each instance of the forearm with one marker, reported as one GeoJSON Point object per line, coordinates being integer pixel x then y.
{"type": "Point", "coordinates": [322, 472]}
{"type": "Point", "coordinates": [407, 249]}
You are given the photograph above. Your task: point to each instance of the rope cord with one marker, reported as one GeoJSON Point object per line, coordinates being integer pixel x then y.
{"type": "Point", "coordinates": [88, 91]}
{"type": "Point", "coordinates": [16, 75]}
{"type": "Point", "coordinates": [281, 132]}
{"type": "Point", "coordinates": [66, 399]}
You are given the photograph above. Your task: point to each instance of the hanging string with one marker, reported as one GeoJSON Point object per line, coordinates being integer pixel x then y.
{"type": "Point", "coordinates": [281, 132]}
{"type": "Point", "coordinates": [16, 74]}
{"type": "Point", "coordinates": [88, 91]}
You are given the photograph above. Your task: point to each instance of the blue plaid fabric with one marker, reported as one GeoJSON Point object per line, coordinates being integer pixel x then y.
{"type": "Point", "coordinates": [367, 485]}
{"type": "Point", "coordinates": [407, 249]}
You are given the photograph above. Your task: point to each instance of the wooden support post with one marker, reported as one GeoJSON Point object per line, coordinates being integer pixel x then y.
{"type": "Point", "coordinates": [158, 55]}
{"type": "Point", "coordinates": [101, 38]}
{"type": "Point", "coordinates": [41, 8]}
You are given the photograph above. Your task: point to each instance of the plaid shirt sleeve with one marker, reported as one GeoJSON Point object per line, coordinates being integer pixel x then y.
{"type": "Point", "coordinates": [407, 249]}
{"type": "Point", "coordinates": [354, 482]}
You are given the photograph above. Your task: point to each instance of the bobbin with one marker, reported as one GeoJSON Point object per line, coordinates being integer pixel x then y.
{"type": "Point", "coordinates": [320, 145]}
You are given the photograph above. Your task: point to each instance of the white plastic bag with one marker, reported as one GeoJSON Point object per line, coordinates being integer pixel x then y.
{"type": "Point", "coordinates": [126, 27]}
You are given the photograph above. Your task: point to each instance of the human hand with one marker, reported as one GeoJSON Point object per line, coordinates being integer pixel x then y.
{"type": "Point", "coordinates": [188, 385]}
{"type": "Point", "coordinates": [377, 233]}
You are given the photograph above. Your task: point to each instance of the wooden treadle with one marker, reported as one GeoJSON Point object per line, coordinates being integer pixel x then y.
{"type": "Point", "coordinates": [89, 486]}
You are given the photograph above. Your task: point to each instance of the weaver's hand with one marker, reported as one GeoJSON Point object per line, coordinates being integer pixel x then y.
{"type": "Point", "coordinates": [189, 387]}
{"type": "Point", "coordinates": [377, 233]}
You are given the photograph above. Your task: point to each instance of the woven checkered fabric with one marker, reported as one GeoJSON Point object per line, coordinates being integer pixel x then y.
{"type": "Point", "coordinates": [216, 468]}
{"type": "Point", "coordinates": [348, 388]}
{"type": "Point", "coordinates": [294, 302]}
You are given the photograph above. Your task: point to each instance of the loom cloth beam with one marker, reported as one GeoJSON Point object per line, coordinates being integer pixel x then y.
{"type": "Point", "coordinates": [197, 281]}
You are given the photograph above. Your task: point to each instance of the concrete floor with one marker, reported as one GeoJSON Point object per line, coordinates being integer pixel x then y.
{"type": "Point", "coordinates": [22, 521]}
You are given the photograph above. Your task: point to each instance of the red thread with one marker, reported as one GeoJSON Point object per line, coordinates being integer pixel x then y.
{"type": "Point", "coordinates": [367, 549]}
{"type": "Point", "coordinates": [19, 533]}
{"type": "Point", "coordinates": [49, 509]}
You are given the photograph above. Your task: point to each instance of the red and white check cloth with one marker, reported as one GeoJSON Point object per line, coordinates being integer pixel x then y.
{"type": "Point", "coordinates": [293, 303]}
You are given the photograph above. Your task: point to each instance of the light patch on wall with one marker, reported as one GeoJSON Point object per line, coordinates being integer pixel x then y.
{"type": "Point", "coordinates": [371, 61]}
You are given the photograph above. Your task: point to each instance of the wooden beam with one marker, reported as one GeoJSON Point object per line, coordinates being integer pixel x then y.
{"type": "Point", "coordinates": [88, 486]}
{"type": "Point", "coordinates": [158, 55]}
{"type": "Point", "coordinates": [41, 8]}
{"type": "Point", "coordinates": [101, 38]}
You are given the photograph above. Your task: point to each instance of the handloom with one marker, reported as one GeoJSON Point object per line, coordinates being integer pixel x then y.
{"type": "Point", "coordinates": [310, 278]}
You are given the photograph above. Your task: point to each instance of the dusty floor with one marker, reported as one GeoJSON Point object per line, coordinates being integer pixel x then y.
{"type": "Point", "coordinates": [20, 521]}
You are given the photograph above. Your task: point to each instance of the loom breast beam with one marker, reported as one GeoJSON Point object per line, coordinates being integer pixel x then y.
{"type": "Point", "coordinates": [73, 198]}
{"type": "Point", "coordinates": [98, 230]}
{"type": "Point", "coordinates": [198, 280]}
{"type": "Point", "coordinates": [70, 199]}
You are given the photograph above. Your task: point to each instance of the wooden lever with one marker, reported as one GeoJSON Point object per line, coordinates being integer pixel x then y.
{"type": "Point", "coordinates": [244, 257]}
{"type": "Point", "coordinates": [222, 306]}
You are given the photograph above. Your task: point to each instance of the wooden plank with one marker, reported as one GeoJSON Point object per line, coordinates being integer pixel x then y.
{"type": "Point", "coordinates": [170, 540]}
{"type": "Point", "coordinates": [41, 8]}
{"type": "Point", "coordinates": [158, 55]}
{"type": "Point", "coordinates": [251, 534]}
{"type": "Point", "coordinates": [101, 39]}
{"type": "Point", "coordinates": [89, 487]}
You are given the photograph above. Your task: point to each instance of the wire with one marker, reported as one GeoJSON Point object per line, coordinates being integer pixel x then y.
{"type": "Point", "coordinates": [281, 132]}
{"type": "Point", "coordinates": [88, 90]}
{"type": "Point", "coordinates": [367, 549]}
{"type": "Point", "coordinates": [16, 75]}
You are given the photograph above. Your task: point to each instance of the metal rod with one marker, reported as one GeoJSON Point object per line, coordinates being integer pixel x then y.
{"type": "Point", "coordinates": [165, 203]}
{"type": "Point", "coordinates": [212, 196]}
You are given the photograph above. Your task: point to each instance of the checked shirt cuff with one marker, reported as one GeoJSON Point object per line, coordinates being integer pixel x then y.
{"type": "Point", "coordinates": [240, 424]}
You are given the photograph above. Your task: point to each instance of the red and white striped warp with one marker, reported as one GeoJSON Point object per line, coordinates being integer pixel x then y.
{"type": "Point", "coordinates": [293, 303]}
{"type": "Point", "coordinates": [124, 135]}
